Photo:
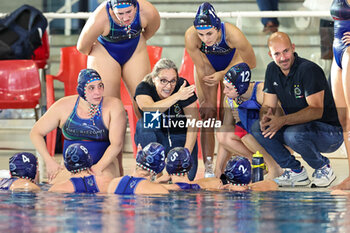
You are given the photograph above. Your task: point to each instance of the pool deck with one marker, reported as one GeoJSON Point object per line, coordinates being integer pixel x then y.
{"type": "Point", "coordinates": [339, 165]}
{"type": "Point", "coordinates": [14, 135]}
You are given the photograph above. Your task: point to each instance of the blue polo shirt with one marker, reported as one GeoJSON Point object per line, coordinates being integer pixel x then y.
{"type": "Point", "coordinates": [305, 78]}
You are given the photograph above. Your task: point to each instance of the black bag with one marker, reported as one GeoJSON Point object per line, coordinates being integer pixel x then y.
{"type": "Point", "coordinates": [21, 31]}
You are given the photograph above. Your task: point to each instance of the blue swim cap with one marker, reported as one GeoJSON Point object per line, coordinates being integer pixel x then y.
{"type": "Point", "coordinates": [85, 77]}
{"type": "Point", "coordinates": [151, 158]}
{"type": "Point", "coordinates": [238, 170]}
{"type": "Point", "coordinates": [122, 3]}
{"type": "Point", "coordinates": [178, 161]}
{"type": "Point", "coordinates": [239, 76]}
{"type": "Point", "coordinates": [23, 165]}
{"type": "Point", "coordinates": [77, 158]}
{"type": "Point", "coordinates": [206, 17]}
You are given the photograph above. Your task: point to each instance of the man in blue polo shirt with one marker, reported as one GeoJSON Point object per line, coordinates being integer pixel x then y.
{"type": "Point", "coordinates": [310, 124]}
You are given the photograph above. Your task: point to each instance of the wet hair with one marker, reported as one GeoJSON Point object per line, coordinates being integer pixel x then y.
{"type": "Point", "coordinates": [85, 77]}
{"type": "Point", "coordinates": [122, 3]}
{"type": "Point", "coordinates": [162, 64]}
{"type": "Point", "coordinates": [238, 171]}
{"type": "Point", "coordinates": [179, 161]}
{"type": "Point", "coordinates": [206, 17]}
{"type": "Point", "coordinates": [77, 158]}
{"type": "Point", "coordinates": [239, 76]}
{"type": "Point", "coordinates": [151, 158]}
{"type": "Point", "coordinates": [23, 165]}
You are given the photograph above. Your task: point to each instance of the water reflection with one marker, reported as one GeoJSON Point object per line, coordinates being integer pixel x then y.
{"type": "Point", "coordinates": [177, 212]}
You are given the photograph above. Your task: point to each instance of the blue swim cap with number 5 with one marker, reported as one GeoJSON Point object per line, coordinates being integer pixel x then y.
{"type": "Point", "coordinates": [178, 161]}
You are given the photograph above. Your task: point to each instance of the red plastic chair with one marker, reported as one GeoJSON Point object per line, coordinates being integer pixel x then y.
{"type": "Point", "coordinates": [187, 68]}
{"type": "Point", "coordinates": [154, 53]}
{"type": "Point", "coordinates": [72, 61]}
{"type": "Point", "coordinates": [19, 85]}
{"type": "Point", "coordinates": [42, 53]}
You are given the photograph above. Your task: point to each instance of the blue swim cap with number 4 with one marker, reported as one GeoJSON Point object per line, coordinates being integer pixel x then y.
{"type": "Point", "coordinates": [239, 76]}
{"type": "Point", "coordinates": [23, 165]}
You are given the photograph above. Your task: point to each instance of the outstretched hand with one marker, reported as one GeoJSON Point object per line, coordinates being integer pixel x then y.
{"type": "Point", "coordinates": [186, 92]}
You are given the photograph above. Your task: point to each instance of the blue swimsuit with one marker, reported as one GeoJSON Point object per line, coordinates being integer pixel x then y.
{"type": "Point", "coordinates": [248, 111]}
{"type": "Point", "coordinates": [91, 133]}
{"type": "Point", "coordinates": [122, 41]}
{"type": "Point", "coordinates": [187, 186]}
{"type": "Point", "coordinates": [219, 55]}
{"type": "Point", "coordinates": [5, 183]}
{"type": "Point", "coordinates": [340, 11]}
{"type": "Point", "coordinates": [86, 184]}
{"type": "Point", "coordinates": [127, 185]}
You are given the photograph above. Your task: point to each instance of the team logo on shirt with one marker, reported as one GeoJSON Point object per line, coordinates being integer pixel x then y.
{"type": "Point", "coordinates": [151, 120]}
{"type": "Point", "coordinates": [297, 92]}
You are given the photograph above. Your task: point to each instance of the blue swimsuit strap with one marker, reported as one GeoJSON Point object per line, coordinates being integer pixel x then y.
{"type": "Point", "coordinates": [209, 50]}
{"type": "Point", "coordinates": [82, 184]}
{"type": "Point", "coordinates": [187, 186]}
{"type": "Point", "coordinates": [123, 185]}
{"type": "Point", "coordinates": [253, 97]}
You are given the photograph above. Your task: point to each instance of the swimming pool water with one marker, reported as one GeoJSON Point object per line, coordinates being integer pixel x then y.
{"type": "Point", "coordinates": [203, 211]}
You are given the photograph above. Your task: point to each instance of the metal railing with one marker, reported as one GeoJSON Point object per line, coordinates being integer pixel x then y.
{"type": "Point", "coordinates": [183, 15]}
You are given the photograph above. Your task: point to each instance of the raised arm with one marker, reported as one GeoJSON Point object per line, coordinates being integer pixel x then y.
{"type": "Point", "coordinates": [146, 103]}
{"type": "Point", "coordinates": [96, 25]}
